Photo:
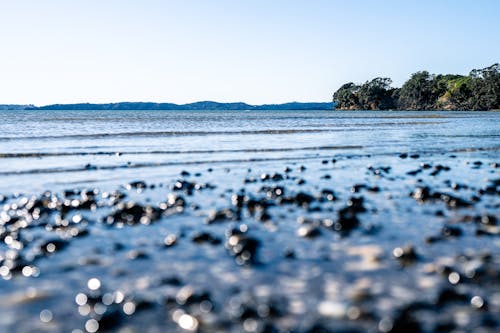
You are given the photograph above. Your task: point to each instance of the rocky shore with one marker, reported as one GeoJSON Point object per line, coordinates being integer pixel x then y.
{"type": "Point", "coordinates": [330, 246]}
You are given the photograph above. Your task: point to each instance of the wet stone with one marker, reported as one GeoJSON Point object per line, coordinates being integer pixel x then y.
{"type": "Point", "coordinates": [303, 199]}
{"type": "Point", "coordinates": [274, 177]}
{"type": "Point", "coordinates": [184, 186]}
{"type": "Point", "coordinates": [424, 194]}
{"type": "Point", "coordinates": [379, 171]}
{"type": "Point", "coordinates": [205, 237]}
{"type": "Point", "coordinates": [300, 181]}
{"type": "Point", "coordinates": [137, 254]}
{"type": "Point", "coordinates": [414, 172]}
{"type": "Point", "coordinates": [437, 169]}
{"type": "Point", "coordinates": [405, 255]}
{"type": "Point", "coordinates": [328, 195]}
{"type": "Point", "coordinates": [449, 295]}
{"type": "Point", "coordinates": [132, 213]}
{"type": "Point", "coordinates": [53, 245]}
{"type": "Point", "coordinates": [308, 231]}
{"type": "Point", "coordinates": [273, 192]}
{"type": "Point", "coordinates": [486, 219]}
{"type": "Point", "coordinates": [358, 187]}
{"type": "Point", "coordinates": [243, 247]}
{"type": "Point", "coordinates": [137, 185]}
{"type": "Point", "coordinates": [451, 231]}
{"type": "Point", "coordinates": [222, 215]}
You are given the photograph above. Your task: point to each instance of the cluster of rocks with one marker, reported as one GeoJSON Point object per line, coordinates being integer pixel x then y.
{"type": "Point", "coordinates": [323, 218]}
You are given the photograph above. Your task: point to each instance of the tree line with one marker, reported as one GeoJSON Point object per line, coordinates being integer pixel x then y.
{"type": "Point", "coordinates": [480, 90]}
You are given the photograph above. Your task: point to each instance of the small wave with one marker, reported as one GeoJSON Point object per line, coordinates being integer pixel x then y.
{"type": "Point", "coordinates": [166, 133]}
{"type": "Point", "coordinates": [172, 152]}
{"type": "Point", "coordinates": [153, 165]}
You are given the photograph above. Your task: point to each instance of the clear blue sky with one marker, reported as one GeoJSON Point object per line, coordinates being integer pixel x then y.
{"type": "Point", "coordinates": [259, 51]}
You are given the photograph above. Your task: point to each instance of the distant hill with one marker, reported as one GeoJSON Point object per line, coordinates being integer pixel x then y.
{"type": "Point", "coordinates": [15, 107]}
{"type": "Point", "coordinates": [206, 105]}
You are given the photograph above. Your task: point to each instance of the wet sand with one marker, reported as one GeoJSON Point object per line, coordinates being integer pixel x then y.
{"type": "Point", "coordinates": [411, 245]}
{"type": "Point", "coordinates": [328, 238]}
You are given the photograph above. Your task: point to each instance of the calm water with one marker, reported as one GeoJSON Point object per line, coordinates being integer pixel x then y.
{"type": "Point", "coordinates": [298, 175]}
{"type": "Point", "coordinates": [54, 149]}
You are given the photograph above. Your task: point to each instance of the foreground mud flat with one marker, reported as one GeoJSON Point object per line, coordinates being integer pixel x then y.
{"type": "Point", "coordinates": [408, 243]}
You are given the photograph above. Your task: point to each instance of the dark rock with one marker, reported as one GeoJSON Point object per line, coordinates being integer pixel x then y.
{"type": "Point", "coordinates": [264, 216]}
{"type": "Point", "coordinates": [222, 215]}
{"type": "Point", "coordinates": [111, 319]}
{"type": "Point", "coordinates": [137, 254]}
{"type": "Point", "coordinates": [184, 186]}
{"type": "Point", "coordinates": [329, 195]}
{"type": "Point", "coordinates": [300, 181]}
{"type": "Point", "coordinates": [132, 213]}
{"type": "Point", "coordinates": [137, 185]}
{"type": "Point", "coordinates": [486, 219]}
{"type": "Point", "coordinates": [451, 231]}
{"type": "Point", "coordinates": [242, 247]}
{"type": "Point", "coordinates": [250, 180]}
{"type": "Point", "coordinates": [90, 167]}
{"type": "Point", "coordinates": [380, 171]}
{"type": "Point", "coordinates": [205, 237]}
{"type": "Point", "coordinates": [303, 199]}
{"type": "Point", "coordinates": [356, 188]}
{"type": "Point", "coordinates": [438, 168]}
{"type": "Point", "coordinates": [449, 295]}
{"type": "Point", "coordinates": [405, 255]}
{"type": "Point", "coordinates": [308, 231]}
{"type": "Point", "coordinates": [53, 245]}
{"type": "Point", "coordinates": [414, 172]}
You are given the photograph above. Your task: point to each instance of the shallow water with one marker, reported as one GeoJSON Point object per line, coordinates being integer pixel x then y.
{"type": "Point", "coordinates": [315, 269]}
{"type": "Point", "coordinates": [49, 149]}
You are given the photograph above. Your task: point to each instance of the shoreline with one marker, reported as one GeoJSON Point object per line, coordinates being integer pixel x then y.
{"type": "Point", "coordinates": [164, 247]}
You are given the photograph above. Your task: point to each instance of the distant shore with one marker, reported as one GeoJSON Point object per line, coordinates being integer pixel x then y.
{"type": "Point", "coordinates": [480, 90]}
{"type": "Point", "coordinates": [205, 106]}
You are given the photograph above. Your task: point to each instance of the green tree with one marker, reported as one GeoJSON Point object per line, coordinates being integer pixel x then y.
{"type": "Point", "coordinates": [376, 94]}
{"type": "Point", "coordinates": [485, 87]}
{"type": "Point", "coordinates": [346, 97]}
{"type": "Point", "coordinates": [418, 92]}
{"type": "Point", "coordinates": [480, 90]}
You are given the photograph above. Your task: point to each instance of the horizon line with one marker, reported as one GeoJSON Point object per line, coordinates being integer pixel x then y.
{"type": "Point", "coordinates": [171, 103]}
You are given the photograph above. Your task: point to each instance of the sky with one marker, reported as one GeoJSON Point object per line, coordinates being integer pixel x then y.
{"type": "Point", "coordinates": [259, 51]}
